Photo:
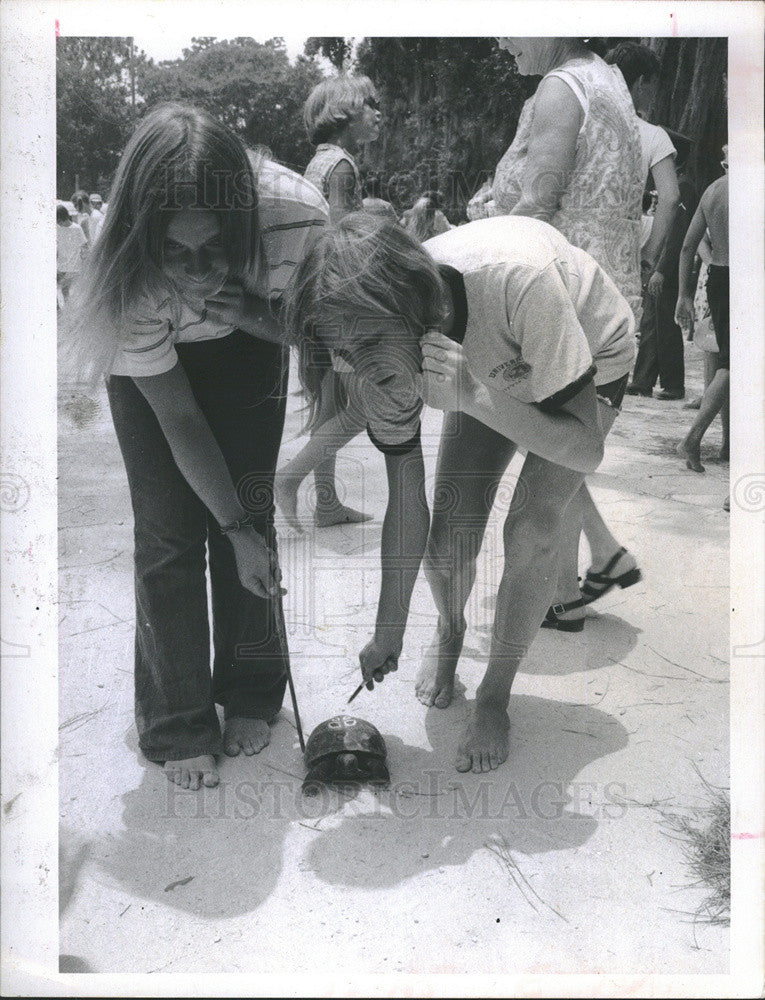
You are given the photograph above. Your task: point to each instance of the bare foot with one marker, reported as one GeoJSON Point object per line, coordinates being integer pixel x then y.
{"type": "Point", "coordinates": [246, 735]}
{"type": "Point", "coordinates": [691, 452]}
{"type": "Point", "coordinates": [286, 498]}
{"type": "Point", "coordinates": [325, 517]}
{"type": "Point", "coordinates": [434, 684]}
{"type": "Point", "coordinates": [192, 772]}
{"type": "Point", "coordinates": [485, 743]}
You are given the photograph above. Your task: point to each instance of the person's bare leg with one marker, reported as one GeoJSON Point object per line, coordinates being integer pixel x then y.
{"type": "Point", "coordinates": [715, 397]}
{"type": "Point", "coordinates": [471, 461]}
{"type": "Point", "coordinates": [533, 534]}
{"type": "Point", "coordinates": [344, 424]}
{"type": "Point", "coordinates": [330, 437]}
{"type": "Point", "coordinates": [337, 424]}
{"type": "Point", "coordinates": [603, 545]}
{"type": "Point", "coordinates": [724, 455]}
{"type": "Point", "coordinates": [567, 588]}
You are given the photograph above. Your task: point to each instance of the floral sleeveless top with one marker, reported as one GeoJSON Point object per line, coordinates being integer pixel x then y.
{"type": "Point", "coordinates": [326, 158]}
{"type": "Point", "coordinates": [600, 211]}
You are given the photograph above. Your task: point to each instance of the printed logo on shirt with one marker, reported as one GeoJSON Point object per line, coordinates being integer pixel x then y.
{"type": "Point", "coordinates": [512, 371]}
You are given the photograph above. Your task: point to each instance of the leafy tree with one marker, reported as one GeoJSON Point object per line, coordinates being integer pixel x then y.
{"type": "Point", "coordinates": [450, 105]}
{"type": "Point", "coordinates": [94, 111]}
{"type": "Point", "coordinates": [337, 50]}
{"type": "Point", "coordinates": [250, 86]}
{"type": "Point", "coordinates": [692, 99]}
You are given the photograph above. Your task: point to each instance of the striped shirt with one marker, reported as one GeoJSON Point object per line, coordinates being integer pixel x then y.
{"type": "Point", "coordinates": [291, 215]}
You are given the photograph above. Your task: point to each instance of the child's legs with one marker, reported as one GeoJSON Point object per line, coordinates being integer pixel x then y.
{"type": "Point", "coordinates": [471, 461]}
{"type": "Point", "coordinates": [333, 404]}
{"type": "Point", "coordinates": [240, 385]}
{"type": "Point", "coordinates": [713, 401]}
{"type": "Point", "coordinates": [175, 713]}
{"type": "Point", "coordinates": [710, 367]}
{"type": "Point", "coordinates": [533, 534]}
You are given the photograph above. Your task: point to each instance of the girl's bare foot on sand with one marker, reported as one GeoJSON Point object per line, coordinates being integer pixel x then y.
{"type": "Point", "coordinates": [326, 516]}
{"type": "Point", "coordinates": [435, 681]}
{"type": "Point", "coordinates": [247, 736]}
{"type": "Point", "coordinates": [286, 499]}
{"type": "Point", "coordinates": [485, 744]}
{"type": "Point", "coordinates": [192, 772]}
{"type": "Point", "coordinates": [690, 450]}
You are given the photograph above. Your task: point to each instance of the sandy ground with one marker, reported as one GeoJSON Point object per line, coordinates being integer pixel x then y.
{"type": "Point", "coordinates": [557, 862]}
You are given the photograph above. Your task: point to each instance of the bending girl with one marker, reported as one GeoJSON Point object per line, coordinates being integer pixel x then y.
{"type": "Point", "coordinates": [507, 326]}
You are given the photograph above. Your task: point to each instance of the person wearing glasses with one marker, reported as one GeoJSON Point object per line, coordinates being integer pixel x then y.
{"type": "Point", "coordinates": [340, 115]}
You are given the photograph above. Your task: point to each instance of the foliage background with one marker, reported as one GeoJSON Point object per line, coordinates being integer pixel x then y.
{"type": "Point", "coordinates": [450, 105]}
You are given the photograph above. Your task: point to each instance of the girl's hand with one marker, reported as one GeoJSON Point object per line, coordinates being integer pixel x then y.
{"type": "Point", "coordinates": [228, 305]}
{"type": "Point", "coordinates": [446, 377]}
{"type": "Point", "coordinates": [237, 307]}
{"type": "Point", "coordinates": [378, 658]}
{"type": "Point", "coordinates": [256, 563]}
{"type": "Point", "coordinates": [684, 316]}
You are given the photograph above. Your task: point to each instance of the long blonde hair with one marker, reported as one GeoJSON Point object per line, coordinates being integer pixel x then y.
{"type": "Point", "coordinates": [178, 157]}
{"type": "Point", "coordinates": [363, 265]}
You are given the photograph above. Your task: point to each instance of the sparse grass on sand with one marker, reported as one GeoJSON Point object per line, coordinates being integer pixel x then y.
{"type": "Point", "coordinates": [705, 840]}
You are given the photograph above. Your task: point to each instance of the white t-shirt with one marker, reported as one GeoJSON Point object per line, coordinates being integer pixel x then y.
{"type": "Point", "coordinates": [655, 146]}
{"type": "Point", "coordinates": [291, 214]}
{"type": "Point", "coordinates": [537, 318]}
{"type": "Point", "coordinates": [540, 312]}
{"type": "Point", "coordinates": [70, 241]}
{"type": "Point", "coordinates": [96, 221]}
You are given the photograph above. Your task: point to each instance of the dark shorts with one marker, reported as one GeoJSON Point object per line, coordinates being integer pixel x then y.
{"type": "Point", "coordinates": [613, 391]}
{"type": "Point", "coordinates": [718, 297]}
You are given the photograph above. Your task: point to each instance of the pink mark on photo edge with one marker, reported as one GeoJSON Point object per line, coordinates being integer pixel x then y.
{"type": "Point", "coordinates": [747, 836]}
{"type": "Point", "coordinates": [673, 19]}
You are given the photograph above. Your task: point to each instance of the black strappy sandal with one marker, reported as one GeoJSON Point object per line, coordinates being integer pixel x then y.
{"type": "Point", "coordinates": [552, 620]}
{"type": "Point", "coordinates": [597, 584]}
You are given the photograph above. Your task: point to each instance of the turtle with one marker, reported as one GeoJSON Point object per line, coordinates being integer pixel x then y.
{"type": "Point", "coordinates": [345, 750]}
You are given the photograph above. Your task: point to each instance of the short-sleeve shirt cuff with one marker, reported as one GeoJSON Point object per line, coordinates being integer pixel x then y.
{"type": "Point", "coordinates": [562, 397]}
{"type": "Point", "coordinates": [402, 448]}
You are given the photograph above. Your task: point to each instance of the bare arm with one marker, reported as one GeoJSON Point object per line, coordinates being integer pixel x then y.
{"type": "Point", "coordinates": [201, 462]}
{"type": "Point", "coordinates": [571, 435]}
{"type": "Point", "coordinates": [404, 536]}
{"type": "Point", "coordinates": [684, 315]}
{"type": "Point", "coordinates": [668, 191]}
{"type": "Point", "coordinates": [705, 250]}
{"type": "Point", "coordinates": [552, 150]}
{"type": "Point", "coordinates": [342, 182]}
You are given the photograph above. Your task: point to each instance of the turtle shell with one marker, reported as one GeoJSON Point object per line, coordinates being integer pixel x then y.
{"type": "Point", "coordinates": [344, 734]}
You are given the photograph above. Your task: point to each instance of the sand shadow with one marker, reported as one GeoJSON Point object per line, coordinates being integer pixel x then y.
{"type": "Point", "coordinates": [216, 852]}
{"type": "Point", "coordinates": [434, 817]}
{"type": "Point", "coordinates": [606, 639]}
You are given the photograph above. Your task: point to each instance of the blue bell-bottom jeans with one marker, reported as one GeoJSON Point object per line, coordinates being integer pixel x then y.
{"type": "Point", "coordinates": [240, 384]}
